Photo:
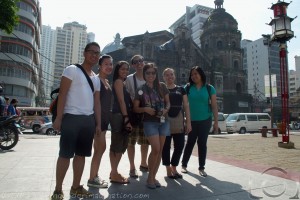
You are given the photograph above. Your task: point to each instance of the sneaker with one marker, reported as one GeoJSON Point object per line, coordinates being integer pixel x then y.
{"type": "Point", "coordinates": [133, 173]}
{"type": "Point", "coordinates": [80, 192]}
{"type": "Point", "coordinates": [97, 183]}
{"type": "Point", "coordinates": [202, 173]}
{"type": "Point", "coordinates": [57, 195]}
{"type": "Point", "coordinates": [184, 170]}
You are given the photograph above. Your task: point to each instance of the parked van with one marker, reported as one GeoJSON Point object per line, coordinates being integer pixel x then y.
{"type": "Point", "coordinates": [247, 122]}
{"type": "Point", "coordinates": [34, 117]}
{"type": "Point", "coordinates": [221, 124]}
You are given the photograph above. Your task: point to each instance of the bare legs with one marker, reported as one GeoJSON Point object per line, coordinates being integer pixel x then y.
{"type": "Point", "coordinates": [144, 154]}
{"type": "Point", "coordinates": [99, 149]}
{"type": "Point", "coordinates": [157, 143]}
{"type": "Point", "coordinates": [131, 155]}
{"type": "Point", "coordinates": [62, 167]}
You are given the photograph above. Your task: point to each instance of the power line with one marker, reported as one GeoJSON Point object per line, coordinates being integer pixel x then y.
{"type": "Point", "coordinates": [5, 53]}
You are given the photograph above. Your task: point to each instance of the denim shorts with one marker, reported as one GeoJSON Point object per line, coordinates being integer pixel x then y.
{"type": "Point", "coordinates": [156, 128]}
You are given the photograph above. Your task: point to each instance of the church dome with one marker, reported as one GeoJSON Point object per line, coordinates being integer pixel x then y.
{"type": "Point", "coordinates": [220, 19]}
{"type": "Point", "coordinates": [113, 46]}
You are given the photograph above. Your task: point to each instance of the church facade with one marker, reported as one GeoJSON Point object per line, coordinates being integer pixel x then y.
{"type": "Point", "coordinates": [220, 57]}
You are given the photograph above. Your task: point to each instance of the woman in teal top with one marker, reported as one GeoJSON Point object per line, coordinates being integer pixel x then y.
{"type": "Point", "coordinates": [203, 103]}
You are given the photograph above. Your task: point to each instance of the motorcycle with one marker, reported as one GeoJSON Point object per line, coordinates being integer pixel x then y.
{"type": "Point", "coordinates": [9, 132]}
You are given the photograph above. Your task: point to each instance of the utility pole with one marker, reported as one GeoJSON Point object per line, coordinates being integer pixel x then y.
{"type": "Point", "coordinates": [268, 43]}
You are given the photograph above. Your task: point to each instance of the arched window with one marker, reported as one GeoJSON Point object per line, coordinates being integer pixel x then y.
{"type": "Point", "coordinates": [233, 44]}
{"type": "Point", "coordinates": [219, 44]}
{"type": "Point", "coordinates": [236, 64]}
{"type": "Point", "coordinates": [238, 88]}
{"type": "Point", "coordinates": [206, 46]}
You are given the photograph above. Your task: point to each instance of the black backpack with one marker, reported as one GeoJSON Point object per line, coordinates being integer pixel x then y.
{"type": "Point", "coordinates": [188, 87]}
{"type": "Point", "coordinates": [53, 105]}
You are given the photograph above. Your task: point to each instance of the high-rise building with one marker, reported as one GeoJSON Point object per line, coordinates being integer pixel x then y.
{"type": "Point", "coordinates": [19, 57]}
{"type": "Point", "coordinates": [257, 65]}
{"type": "Point", "coordinates": [297, 67]}
{"type": "Point", "coordinates": [294, 77]}
{"type": "Point", "coordinates": [194, 19]}
{"type": "Point", "coordinates": [70, 43]}
{"type": "Point", "coordinates": [47, 59]}
{"type": "Point", "coordinates": [293, 83]}
{"type": "Point", "coordinates": [91, 37]}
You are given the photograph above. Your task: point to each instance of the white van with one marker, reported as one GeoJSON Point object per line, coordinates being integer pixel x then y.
{"type": "Point", "coordinates": [247, 122]}
{"type": "Point", "coordinates": [221, 124]}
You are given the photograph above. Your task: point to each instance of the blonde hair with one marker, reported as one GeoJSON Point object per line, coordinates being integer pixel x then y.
{"type": "Point", "coordinates": [168, 69]}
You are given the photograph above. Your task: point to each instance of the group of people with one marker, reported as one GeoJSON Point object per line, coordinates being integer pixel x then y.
{"type": "Point", "coordinates": [8, 108]}
{"type": "Point", "coordinates": [140, 109]}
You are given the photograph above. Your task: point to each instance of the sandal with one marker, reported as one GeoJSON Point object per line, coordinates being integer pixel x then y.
{"type": "Point", "coordinates": [133, 173]}
{"type": "Point", "coordinates": [144, 169]}
{"type": "Point", "coordinates": [172, 176]}
{"type": "Point", "coordinates": [120, 180]}
{"type": "Point", "coordinates": [177, 175]}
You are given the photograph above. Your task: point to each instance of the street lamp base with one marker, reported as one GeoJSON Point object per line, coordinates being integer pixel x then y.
{"type": "Point", "coordinates": [286, 145]}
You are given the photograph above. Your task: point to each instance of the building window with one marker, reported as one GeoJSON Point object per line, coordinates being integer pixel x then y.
{"type": "Point", "coordinates": [236, 64]}
{"type": "Point", "coordinates": [219, 44]}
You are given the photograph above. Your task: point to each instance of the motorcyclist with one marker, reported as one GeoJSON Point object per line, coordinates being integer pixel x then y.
{"type": "Point", "coordinates": [2, 102]}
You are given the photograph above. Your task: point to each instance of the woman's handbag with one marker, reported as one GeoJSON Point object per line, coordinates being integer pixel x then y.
{"type": "Point", "coordinates": [176, 123]}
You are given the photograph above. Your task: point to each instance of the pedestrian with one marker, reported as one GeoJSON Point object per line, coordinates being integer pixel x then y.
{"type": "Point", "coordinates": [152, 99]}
{"type": "Point", "coordinates": [203, 104]}
{"type": "Point", "coordinates": [132, 82]}
{"type": "Point", "coordinates": [178, 126]}
{"type": "Point", "coordinates": [120, 123]}
{"type": "Point", "coordinates": [105, 69]}
{"type": "Point", "coordinates": [11, 110]}
{"type": "Point", "coordinates": [78, 119]}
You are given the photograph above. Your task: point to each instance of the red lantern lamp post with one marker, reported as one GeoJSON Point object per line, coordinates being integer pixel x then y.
{"type": "Point", "coordinates": [281, 32]}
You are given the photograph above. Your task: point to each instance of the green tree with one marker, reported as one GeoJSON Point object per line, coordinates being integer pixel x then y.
{"type": "Point", "coordinates": [8, 15]}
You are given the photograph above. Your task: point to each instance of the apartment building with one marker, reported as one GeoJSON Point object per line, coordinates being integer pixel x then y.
{"type": "Point", "coordinates": [71, 40]}
{"type": "Point", "coordinates": [194, 19]}
{"type": "Point", "coordinates": [260, 60]}
{"type": "Point", "coordinates": [19, 57]}
{"type": "Point", "coordinates": [48, 47]}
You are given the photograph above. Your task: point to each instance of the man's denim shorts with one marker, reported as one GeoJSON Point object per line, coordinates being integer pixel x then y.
{"type": "Point", "coordinates": [156, 128]}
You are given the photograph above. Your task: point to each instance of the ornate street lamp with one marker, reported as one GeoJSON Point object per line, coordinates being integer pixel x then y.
{"type": "Point", "coordinates": [281, 32]}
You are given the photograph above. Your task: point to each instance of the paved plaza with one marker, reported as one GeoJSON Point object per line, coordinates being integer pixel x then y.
{"type": "Point", "coordinates": [238, 167]}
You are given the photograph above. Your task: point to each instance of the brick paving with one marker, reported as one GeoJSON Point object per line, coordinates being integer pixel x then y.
{"type": "Point", "coordinates": [251, 151]}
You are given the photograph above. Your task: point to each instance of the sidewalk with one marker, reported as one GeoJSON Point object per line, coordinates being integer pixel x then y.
{"type": "Point", "coordinates": [28, 172]}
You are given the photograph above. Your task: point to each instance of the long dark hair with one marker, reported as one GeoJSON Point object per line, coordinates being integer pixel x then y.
{"type": "Point", "coordinates": [117, 68]}
{"type": "Point", "coordinates": [156, 84]}
{"type": "Point", "coordinates": [200, 72]}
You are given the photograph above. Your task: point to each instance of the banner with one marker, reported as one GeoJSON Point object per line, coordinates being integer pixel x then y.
{"type": "Point", "coordinates": [267, 85]}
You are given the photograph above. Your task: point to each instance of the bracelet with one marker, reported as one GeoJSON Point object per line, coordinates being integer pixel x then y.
{"type": "Point", "coordinates": [124, 116]}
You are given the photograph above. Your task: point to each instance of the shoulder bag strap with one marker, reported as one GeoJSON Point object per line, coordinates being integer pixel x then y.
{"type": "Point", "coordinates": [209, 95]}
{"type": "Point", "coordinates": [87, 76]}
{"type": "Point", "coordinates": [134, 81]}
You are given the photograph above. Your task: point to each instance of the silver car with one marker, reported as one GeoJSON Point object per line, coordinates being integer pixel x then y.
{"type": "Point", "coordinates": [47, 129]}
